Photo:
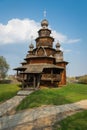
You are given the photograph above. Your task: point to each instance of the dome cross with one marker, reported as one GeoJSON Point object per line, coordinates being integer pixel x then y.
{"type": "Point", "coordinates": [45, 13]}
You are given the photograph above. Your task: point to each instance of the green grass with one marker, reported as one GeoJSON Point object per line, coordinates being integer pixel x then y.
{"type": "Point", "coordinates": [75, 122]}
{"type": "Point", "coordinates": [55, 96]}
{"type": "Point", "coordinates": [7, 91]}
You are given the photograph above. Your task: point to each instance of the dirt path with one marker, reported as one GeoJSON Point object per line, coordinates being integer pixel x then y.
{"type": "Point", "coordinates": [40, 118]}
{"type": "Point", "coordinates": [13, 102]}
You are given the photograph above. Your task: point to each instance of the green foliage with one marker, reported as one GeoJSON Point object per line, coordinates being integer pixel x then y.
{"type": "Point", "coordinates": [55, 96]}
{"type": "Point", "coordinates": [83, 79]}
{"type": "Point", "coordinates": [5, 81]}
{"type": "Point", "coordinates": [75, 122]}
{"type": "Point", "coordinates": [3, 67]}
{"type": "Point", "coordinates": [7, 91]}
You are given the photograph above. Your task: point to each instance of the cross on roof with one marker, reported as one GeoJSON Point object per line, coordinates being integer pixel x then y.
{"type": "Point", "coordinates": [45, 13]}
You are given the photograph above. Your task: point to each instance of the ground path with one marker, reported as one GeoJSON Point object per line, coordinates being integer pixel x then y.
{"type": "Point", "coordinates": [13, 102]}
{"type": "Point", "coordinates": [36, 118]}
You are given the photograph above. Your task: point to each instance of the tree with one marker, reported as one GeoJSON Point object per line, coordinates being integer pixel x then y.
{"type": "Point", "coordinates": [4, 66]}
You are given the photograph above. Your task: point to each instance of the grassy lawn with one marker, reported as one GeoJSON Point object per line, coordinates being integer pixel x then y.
{"type": "Point", "coordinates": [55, 96]}
{"type": "Point", "coordinates": [75, 122]}
{"type": "Point", "coordinates": [7, 91]}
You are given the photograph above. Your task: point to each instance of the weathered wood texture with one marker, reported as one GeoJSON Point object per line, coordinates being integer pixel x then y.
{"type": "Point", "coordinates": [44, 64]}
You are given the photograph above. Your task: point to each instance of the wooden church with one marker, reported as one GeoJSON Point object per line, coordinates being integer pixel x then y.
{"type": "Point", "coordinates": [43, 65]}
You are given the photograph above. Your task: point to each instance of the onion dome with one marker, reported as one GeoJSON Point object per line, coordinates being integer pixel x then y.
{"type": "Point", "coordinates": [44, 23]}
{"type": "Point", "coordinates": [31, 46]}
{"type": "Point", "coordinates": [58, 45]}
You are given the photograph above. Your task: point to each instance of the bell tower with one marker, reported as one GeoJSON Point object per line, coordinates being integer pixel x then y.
{"type": "Point", "coordinates": [44, 39]}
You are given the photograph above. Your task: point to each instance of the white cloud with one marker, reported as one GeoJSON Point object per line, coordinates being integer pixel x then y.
{"type": "Point", "coordinates": [65, 50]}
{"type": "Point", "coordinates": [19, 31]}
{"type": "Point", "coordinates": [73, 40]}
{"type": "Point", "coordinates": [63, 38]}
{"type": "Point", "coordinates": [59, 37]}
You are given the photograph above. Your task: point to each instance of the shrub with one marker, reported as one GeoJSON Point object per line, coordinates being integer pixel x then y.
{"type": "Point", "coordinates": [83, 79]}
{"type": "Point", "coordinates": [5, 81]}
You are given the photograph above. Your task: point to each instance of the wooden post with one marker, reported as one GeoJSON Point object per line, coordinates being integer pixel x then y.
{"type": "Point", "coordinates": [34, 82]}
{"type": "Point", "coordinates": [52, 76]}
{"type": "Point", "coordinates": [38, 81]}
{"type": "Point", "coordinates": [17, 72]}
{"type": "Point", "coordinates": [27, 81]}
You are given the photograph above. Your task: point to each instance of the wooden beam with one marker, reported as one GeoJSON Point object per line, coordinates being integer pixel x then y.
{"type": "Point", "coordinates": [51, 75]}
{"type": "Point", "coordinates": [38, 81]}
{"type": "Point", "coordinates": [34, 82]}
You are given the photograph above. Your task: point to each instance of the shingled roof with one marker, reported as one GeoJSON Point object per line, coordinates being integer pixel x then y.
{"type": "Point", "coordinates": [38, 68]}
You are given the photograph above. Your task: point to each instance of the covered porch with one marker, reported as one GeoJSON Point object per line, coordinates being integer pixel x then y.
{"type": "Point", "coordinates": [41, 74]}
{"type": "Point", "coordinates": [35, 75]}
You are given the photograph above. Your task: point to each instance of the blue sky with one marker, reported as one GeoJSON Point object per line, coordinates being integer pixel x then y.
{"type": "Point", "coordinates": [20, 19]}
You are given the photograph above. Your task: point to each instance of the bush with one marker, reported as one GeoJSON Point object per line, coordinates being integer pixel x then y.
{"type": "Point", "coordinates": [83, 79]}
{"type": "Point", "coordinates": [5, 81]}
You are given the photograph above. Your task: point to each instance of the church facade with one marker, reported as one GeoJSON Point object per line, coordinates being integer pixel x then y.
{"type": "Point", "coordinates": [43, 65]}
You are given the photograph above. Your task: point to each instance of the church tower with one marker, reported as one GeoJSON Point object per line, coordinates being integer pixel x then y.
{"type": "Point", "coordinates": [44, 39]}
{"type": "Point", "coordinates": [44, 64]}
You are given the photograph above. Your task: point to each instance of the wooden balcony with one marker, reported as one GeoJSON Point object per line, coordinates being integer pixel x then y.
{"type": "Point", "coordinates": [51, 77]}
